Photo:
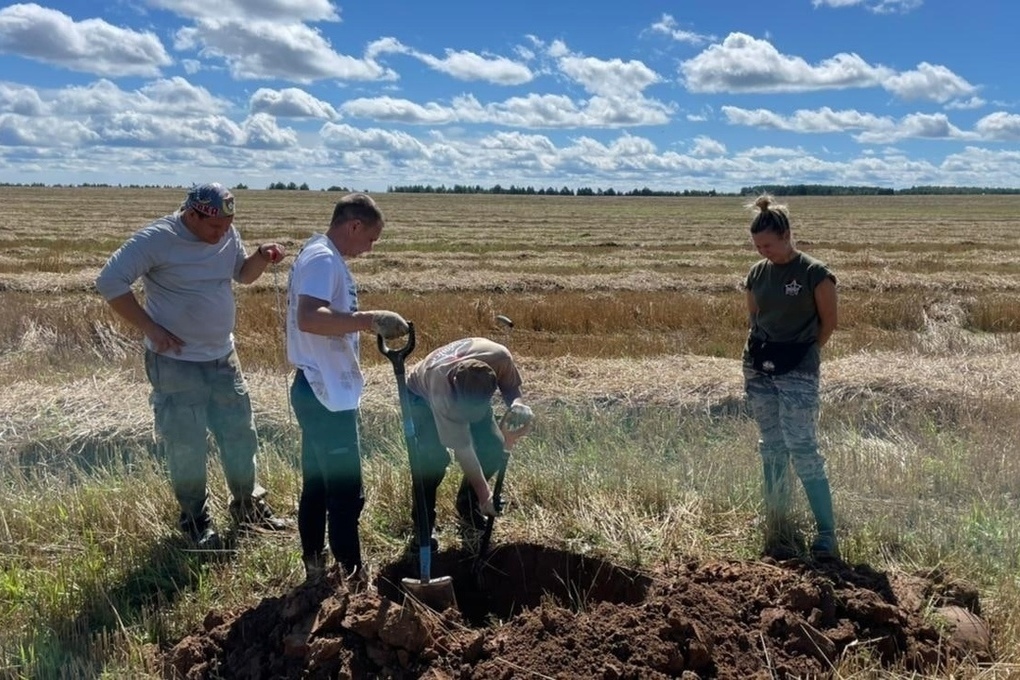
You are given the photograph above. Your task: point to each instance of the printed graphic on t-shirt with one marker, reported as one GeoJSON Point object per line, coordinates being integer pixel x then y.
{"type": "Point", "coordinates": [793, 288]}
{"type": "Point", "coordinates": [449, 354]}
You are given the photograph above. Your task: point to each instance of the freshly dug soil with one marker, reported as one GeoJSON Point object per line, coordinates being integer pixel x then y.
{"type": "Point", "coordinates": [540, 612]}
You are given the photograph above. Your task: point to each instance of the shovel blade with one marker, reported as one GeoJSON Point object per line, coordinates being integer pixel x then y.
{"type": "Point", "coordinates": [436, 593]}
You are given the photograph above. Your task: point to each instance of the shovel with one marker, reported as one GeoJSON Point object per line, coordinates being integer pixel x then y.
{"type": "Point", "coordinates": [510, 438]}
{"type": "Point", "coordinates": [436, 593]}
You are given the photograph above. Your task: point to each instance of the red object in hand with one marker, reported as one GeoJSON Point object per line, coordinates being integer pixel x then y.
{"type": "Point", "coordinates": [271, 252]}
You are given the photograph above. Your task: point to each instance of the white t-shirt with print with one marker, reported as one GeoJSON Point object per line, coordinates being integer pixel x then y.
{"type": "Point", "coordinates": [330, 362]}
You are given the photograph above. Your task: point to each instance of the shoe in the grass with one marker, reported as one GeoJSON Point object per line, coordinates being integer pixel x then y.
{"type": "Point", "coordinates": [255, 514]}
{"type": "Point", "coordinates": [201, 533]}
{"type": "Point", "coordinates": [783, 543]}
{"type": "Point", "coordinates": [825, 546]}
{"type": "Point", "coordinates": [315, 567]}
{"type": "Point", "coordinates": [357, 579]}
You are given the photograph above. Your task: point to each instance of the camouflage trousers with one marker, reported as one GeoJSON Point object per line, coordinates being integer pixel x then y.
{"type": "Point", "coordinates": [786, 410]}
{"type": "Point", "coordinates": [434, 459]}
{"type": "Point", "coordinates": [190, 399]}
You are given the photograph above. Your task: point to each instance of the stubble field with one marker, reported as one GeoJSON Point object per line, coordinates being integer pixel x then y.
{"type": "Point", "coordinates": [629, 322]}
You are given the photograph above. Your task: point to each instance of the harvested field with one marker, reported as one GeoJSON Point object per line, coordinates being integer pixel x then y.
{"type": "Point", "coordinates": [630, 546]}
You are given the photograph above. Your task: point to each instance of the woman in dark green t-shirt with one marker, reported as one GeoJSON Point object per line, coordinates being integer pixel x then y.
{"type": "Point", "coordinates": [791, 305]}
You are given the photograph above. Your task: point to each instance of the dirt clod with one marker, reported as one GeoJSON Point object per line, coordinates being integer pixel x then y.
{"type": "Point", "coordinates": [557, 614]}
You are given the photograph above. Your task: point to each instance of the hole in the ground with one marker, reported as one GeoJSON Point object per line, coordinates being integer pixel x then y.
{"type": "Point", "coordinates": [519, 576]}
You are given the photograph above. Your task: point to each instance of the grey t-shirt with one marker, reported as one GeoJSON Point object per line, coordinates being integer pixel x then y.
{"type": "Point", "coordinates": [187, 284]}
{"type": "Point", "coordinates": [785, 297]}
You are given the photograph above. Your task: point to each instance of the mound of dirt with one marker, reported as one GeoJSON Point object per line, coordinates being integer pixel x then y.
{"type": "Point", "coordinates": [537, 611]}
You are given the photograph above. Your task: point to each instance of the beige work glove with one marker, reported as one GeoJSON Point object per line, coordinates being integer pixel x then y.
{"type": "Point", "coordinates": [518, 417]}
{"type": "Point", "coordinates": [388, 324]}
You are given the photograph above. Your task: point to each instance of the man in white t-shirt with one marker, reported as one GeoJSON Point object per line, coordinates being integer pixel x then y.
{"type": "Point", "coordinates": [323, 326]}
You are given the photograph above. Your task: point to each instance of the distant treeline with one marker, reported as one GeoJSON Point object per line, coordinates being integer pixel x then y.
{"type": "Point", "coordinates": [834, 190]}
{"type": "Point", "coordinates": [541, 191]}
{"type": "Point", "coordinates": [774, 189]}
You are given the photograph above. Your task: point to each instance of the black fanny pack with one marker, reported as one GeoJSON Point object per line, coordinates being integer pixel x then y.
{"type": "Point", "coordinates": [776, 358]}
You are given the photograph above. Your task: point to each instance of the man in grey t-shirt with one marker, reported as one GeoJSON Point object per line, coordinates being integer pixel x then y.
{"type": "Point", "coordinates": [187, 262]}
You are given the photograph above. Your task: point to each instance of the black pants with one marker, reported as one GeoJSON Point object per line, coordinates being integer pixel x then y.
{"type": "Point", "coordinates": [433, 459]}
{"type": "Point", "coordinates": [331, 486]}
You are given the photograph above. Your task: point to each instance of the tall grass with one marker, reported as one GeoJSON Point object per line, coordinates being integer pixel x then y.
{"type": "Point", "coordinates": [94, 574]}
{"type": "Point", "coordinates": [629, 325]}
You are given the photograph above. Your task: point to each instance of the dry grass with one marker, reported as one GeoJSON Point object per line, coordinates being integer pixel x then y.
{"type": "Point", "coordinates": [628, 328]}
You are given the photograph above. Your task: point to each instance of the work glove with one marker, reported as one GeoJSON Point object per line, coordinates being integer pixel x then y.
{"type": "Point", "coordinates": [388, 324]}
{"type": "Point", "coordinates": [518, 417]}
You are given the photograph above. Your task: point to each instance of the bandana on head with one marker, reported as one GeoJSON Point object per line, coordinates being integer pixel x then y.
{"type": "Point", "coordinates": [212, 200]}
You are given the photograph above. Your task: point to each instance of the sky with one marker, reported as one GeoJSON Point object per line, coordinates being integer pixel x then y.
{"type": "Point", "coordinates": [671, 96]}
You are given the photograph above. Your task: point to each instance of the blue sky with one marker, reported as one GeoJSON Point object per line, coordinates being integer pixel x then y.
{"type": "Point", "coordinates": [669, 95]}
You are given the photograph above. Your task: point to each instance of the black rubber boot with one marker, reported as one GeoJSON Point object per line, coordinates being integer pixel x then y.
{"type": "Point", "coordinates": [315, 566]}
{"type": "Point", "coordinates": [201, 532]}
{"type": "Point", "coordinates": [255, 513]}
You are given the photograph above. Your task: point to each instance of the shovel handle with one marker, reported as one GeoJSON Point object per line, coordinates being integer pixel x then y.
{"type": "Point", "coordinates": [397, 355]}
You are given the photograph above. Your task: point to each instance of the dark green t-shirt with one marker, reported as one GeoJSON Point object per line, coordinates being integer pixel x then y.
{"type": "Point", "coordinates": [785, 297]}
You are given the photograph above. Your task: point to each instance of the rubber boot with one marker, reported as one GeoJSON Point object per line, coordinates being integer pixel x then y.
{"type": "Point", "coordinates": [315, 566]}
{"type": "Point", "coordinates": [819, 495]}
{"type": "Point", "coordinates": [781, 539]}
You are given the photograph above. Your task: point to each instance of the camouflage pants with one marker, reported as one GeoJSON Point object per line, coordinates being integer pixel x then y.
{"type": "Point", "coordinates": [434, 459]}
{"type": "Point", "coordinates": [190, 399]}
{"type": "Point", "coordinates": [786, 409]}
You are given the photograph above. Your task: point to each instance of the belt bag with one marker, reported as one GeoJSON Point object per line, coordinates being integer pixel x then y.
{"type": "Point", "coordinates": [776, 358]}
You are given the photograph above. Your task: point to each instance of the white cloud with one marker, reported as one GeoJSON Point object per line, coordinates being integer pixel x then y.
{"type": "Point", "coordinates": [137, 129]}
{"type": "Point", "coordinates": [557, 49]}
{"type": "Point", "coordinates": [965, 104]}
{"type": "Point", "coordinates": [999, 126]}
{"type": "Point", "coordinates": [470, 66]}
{"type": "Point", "coordinates": [518, 141]}
{"type": "Point", "coordinates": [611, 78]}
{"type": "Point", "coordinates": [396, 143]}
{"type": "Point", "coordinates": [915, 126]}
{"type": "Point", "coordinates": [876, 6]}
{"type": "Point", "coordinates": [745, 64]}
{"type": "Point", "coordinates": [530, 111]}
{"type": "Point", "coordinates": [174, 96]}
{"type": "Point", "coordinates": [667, 25]}
{"type": "Point", "coordinates": [706, 146]}
{"type": "Point", "coordinates": [19, 131]}
{"type": "Point", "coordinates": [807, 121]}
{"type": "Point", "coordinates": [21, 99]}
{"type": "Point", "coordinates": [89, 46]}
{"type": "Point", "coordinates": [268, 49]}
{"type": "Point", "coordinates": [260, 131]}
{"type": "Point", "coordinates": [257, 152]}
{"type": "Point", "coordinates": [291, 102]}
{"type": "Point", "coordinates": [277, 10]}
{"type": "Point", "coordinates": [874, 129]}
{"type": "Point", "coordinates": [400, 111]}
{"type": "Point", "coordinates": [462, 65]}
{"type": "Point", "coordinates": [929, 81]}
{"type": "Point", "coordinates": [771, 152]}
